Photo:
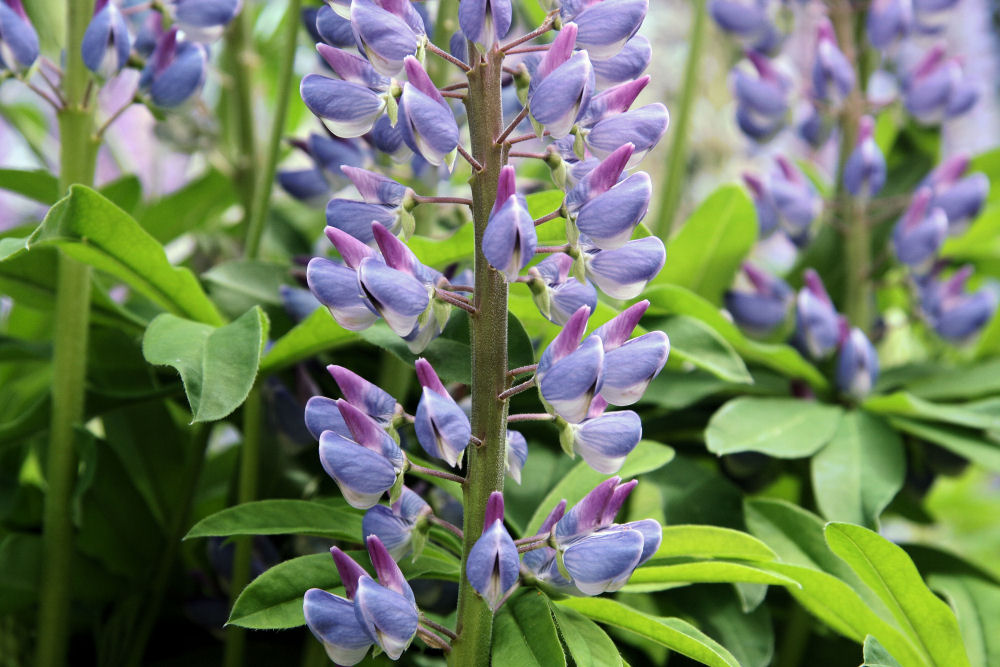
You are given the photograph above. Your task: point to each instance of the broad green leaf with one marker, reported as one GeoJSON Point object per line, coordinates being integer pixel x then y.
{"type": "Point", "coordinates": [189, 208]}
{"type": "Point", "coordinates": [676, 300]}
{"type": "Point", "coordinates": [273, 601]}
{"type": "Point", "coordinates": [281, 517]}
{"type": "Point", "coordinates": [648, 579]}
{"type": "Point", "coordinates": [578, 482]}
{"type": "Point", "coordinates": [963, 442]}
{"type": "Point", "coordinates": [317, 333]}
{"type": "Point", "coordinates": [124, 192]}
{"type": "Point", "coordinates": [694, 342]}
{"type": "Point", "coordinates": [588, 644]}
{"type": "Point", "coordinates": [217, 365]}
{"type": "Point", "coordinates": [720, 613]}
{"type": "Point", "coordinates": [673, 633]}
{"type": "Point", "coordinates": [242, 284]}
{"type": "Point", "coordinates": [973, 381]}
{"type": "Point", "coordinates": [860, 471]}
{"type": "Point", "coordinates": [439, 253]}
{"type": "Point", "coordinates": [40, 185]}
{"type": "Point", "coordinates": [706, 254]}
{"type": "Point", "coordinates": [785, 428]}
{"type": "Point", "coordinates": [710, 542]}
{"type": "Point", "coordinates": [977, 606]}
{"type": "Point", "coordinates": [524, 634]}
{"type": "Point", "coordinates": [876, 655]}
{"type": "Point", "coordinates": [888, 571]}
{"type": "Point", "coordinates": [89, 228]}
{"type": "Point", "coordinates": [902, 404]}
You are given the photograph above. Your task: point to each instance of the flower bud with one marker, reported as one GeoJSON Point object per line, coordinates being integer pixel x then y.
{"type": "Point", "coordinates": [630, 365]}
{"type": "Point", "coordinates": [561, 85]}
{"type": "Point", "coordinates": [427, 123]}
{"type": "Point", "coordinates": [857, 365]}
{"type": "Point", "coordinates": [485, 21]}
{"type": "Point", "coordinates": [795, 199]}
{"type": "Point", "coordinates": [394, 526]}
{"type": "Point", "coordinates": [383, 37]}
{"type": "Point", "coordinates": [919, 234]}
{"type": "Point", "coordinates": [954, 314]}
{"type": "Point", "coordinates": [747, 21]}
{"type": "Point", "coordinates": [622, 273]}
{"type": "Point", "coordinates": [627, 65]}
{"type": "Point", "coordinates": [832, 73]}
{"type": "Point", "coordinates": [818, 325]}
{"type": "Point", "coordinates": [18, 39]}
{"type": "Point", "coordinates": [569, 373]}
{"type": "Point", "coordinates": [493, 564]}
{"type": "Point", "coordinates": [510, 240]}
{"type": "Point", "coordinates": [816, 126]}
{"type": "Point", "coordinates": [761, 98]}
{"type": "Point", "coordinates": [558, 295]}
{"type": "Point", "coordinates": [888, 21]}
{"type": "Point", "coordinates": [864, 172]}
{"type": "Point", "coordinates": [961, 199]}
{"type": "Point", "coordinates": [106, 43]}
{"type": "Point", "coordinates": [517, 454]}
{"type": "Point", "coordinates": [764, 308]}
{"type": "Point", "coordinates": [175, 71]}
{"type": "Point", "coordinates": [443, 428]}
{"type": "Point", "coordinates": [937, 89]}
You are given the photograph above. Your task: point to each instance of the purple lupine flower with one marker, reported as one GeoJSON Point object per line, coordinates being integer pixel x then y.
{"type": "Point", "coordinates": [333, 622]}
{"type": "Point", "coordinates": [642, 127]}
{"type": "Point", "coordinates": [365, 465]}
{"type": "Point", "coordinates": [961, 198]}
{"type": "Point", "coordinates": [919, 234]}
{"type": "Point", "coordinates": [333, 28]}
{"type": "Point", "coordinates": [510, 240]}
{"type": "Point", "coordinates": [832, 73]}
{"type": "Point", "coordinates": [106, 43]}
{"type": "Point", "coordinates": [204, 21]}
{"type": "Point", "coordinates": [383, 201]}
{"type": "Point", "coordinates": [556, 293]}
{"type": "Point", "coordinates": [386, 609]}
{"type": "Point", "coordinates": [605, 27]}
{"type": "Point", "coordinates": [362, 394]}
{"type": "Point", "coordinates": [348, 109]}
{"type": "Point", "coordinates": [330, 154]}
{"type": "Point", "coordinates": [348, 66]}
{"type": "Point", "coordinates": [385, 38]}
{"type": "Point", "coordinates": [605, 208]}
{"type": "Point", "coordinates": [864, 172]}
{"type": "Point", "coordinates": [427, 122]}
{"type": "Point", "coordinates": [543, 563]}
{"type": "Point", "coordinates": [322, 414]}
{"type": "Point", "coordinates": [394, 525]}
{"type": "Point", "coordinates": [954, 314]}
{"type": "Point", "coordinates": [888, 21]}
{"type": "Point", "coordinates": [622, 273]}
{"type": "Point", "coordinates": [627, 65]}
{"type": "Point", "coordinates": [399, 298]}
{"type": "Point", "coordinates": [561, 85]}
{"type": "Point", "coordinates": [818, 326]}
{"type": "Point", "coordinates": [443, 428]}
{"type": "Point", "coordinates": [18, 39]}
{"type": "Point", "coordinates": [570, 373]}
{"type": "Point", "coordinates": [816, 126]}
{"type": "Point", "coordinates": [398, 255]}
{"type": "Point", "coordinates": [931, 16]}
{"type": "Point", "coordinates": [485, 21]}
{"type": "Point", "coordinates": [298, 303]}
{"type": "Point", "coordinates": [630, 365]}
{"type": "Point", "coordinates": [388, 139]}
{"type": "Point", "coordinates": [613, 101]}
{"type": "Point", "coordinates": [336, 287]}
{"type": "Point", "coordinates": [307, 185]}
{"type": "Point", "coordinates": [175, 71]}
{"type": "Point", "coordinates": [795, 199]}
{"type": "Point", "coordinates": [763, 309]}
{"type": "Point", "coordinates": [748, 21]}
{"type": "Point", "coordinates": [493, 564]}
{"type": "Point", "coordinates": [857, 365]}
{"type": "Point", "coordinates": [762, 99]}
{"type": "Point", "coordinates": [937, 89]}
{"type": "Point", "coordinates": [604, 440]}
{"type": "Point", "coordinates": [767, 210]}
{"type": "Point", "coordinates": [517, 454]}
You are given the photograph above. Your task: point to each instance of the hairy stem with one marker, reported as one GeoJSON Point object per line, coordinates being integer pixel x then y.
{"type": "Point", "coordinates": [238, 57]}
{"type": "Point", "coordinates": [489, 356]}
{"type": "Point", "coordinates": [78, 157]}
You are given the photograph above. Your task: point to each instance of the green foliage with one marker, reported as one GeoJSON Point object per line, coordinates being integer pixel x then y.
{"type": "Point", "coordinates": [524, 634]}
{"type": "Point", "coordinates": [780, 427]}
{"type": "Point", "coordinates": [333, 520]}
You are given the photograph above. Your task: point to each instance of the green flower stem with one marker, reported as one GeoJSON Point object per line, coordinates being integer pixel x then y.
{"type": "Point", "coordinates": [857, 297]}
{"type": "Point", "coordinates": [239, 55]}
{"type": "Point", "coordinates": [78, 158]}
{"type": "Point", "coordinates": [489, 357]}
{"type": "Point", "coordinates": [677, 157]}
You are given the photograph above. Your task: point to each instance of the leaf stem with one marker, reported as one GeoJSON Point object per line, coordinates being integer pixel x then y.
{"type": "Point", "coordinates": [436, 473]}
{"type": "Point", "coordinates": [516, 389]}
{"type": "Point", "coordinates": [440, 628]}
{"type": "Point", "coordinates": [447, 56]}
{"type": "Point", "coordinates": [527, 37]}
{"type": "Point", "coordinates": [476, 165]}
{"type": "Point", "coordinates": [521, 115]}
{"type": "Point", "coordinates": [530, 417]}
{"type": "Point", "coordinates": [447, 525]}
{"type": "Point", "coordinates": [521, 370]}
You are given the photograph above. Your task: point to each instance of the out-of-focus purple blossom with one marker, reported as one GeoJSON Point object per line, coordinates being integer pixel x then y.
{"type": "Point", "coordinates": [307, 185]}
{"type": "Point", "coordinates": [605, 27]}
{"type": "Point", "coordinates": [493, 564]}
{"type": "Point", "coordinates": [857, 365]}
{"type": "Point", "coordinates": [931, 16]}
{"type": "Point", "coordinates": [385, 38]}
{"type": "Point", "coordinates": [333, 28]}
{"type": "Point", "coordinates": [762, 98]}
{"type": "Point", "coordinates": [864, 172]}
{"type": "Point", "coordinates": [556, 293]}
{"type": "Point", "coordinates": [815, 127]}
{"type": "Point", "coordinates": [630, 365]}
{"type": "Point", "coordinates": [748, 21]}
{"type": "Point", "coordinates": [919, 234]}
{"type": "Point", "coordinates": [569, 373]}
{"type": "Point", "coordinates": [389, 140]}
{"type": "Point", "coordinates": [298, 303]}
{"type": "Point", "coordinates": [622, 273]}
{"type": "Point", "coordinates": [18, 39]}
{"type": "Point", "coordinates": [833, 75]}
{"type": "Point", "coordinates": [510, 240]}
{"type": "Point", "coordinates": [517, 454]}
{"type": "Point", "coordinates": [204, 21]}
{"type": "Point", "coordinates": [106, 43]}
{"type": "Point", "coordinates": [795, 199]}
{"type": "Point", "coordinates": [561, 85]}
{"type": "Point", "coordinates": [443, 428]}
{"type": "Point", "coordinates": [960, 197]}
{"type": "Point", "coordinates": [485, 21]}
{"type": "Point", "coordinates": [627, 65]}
{"type": "Point", "coordinates": [394, 525]}
{"type": "Point", "coordinates": [952, 312]}
{"type": "Point", "coordinates": [888, 21]}
{"type": "Point", "coordinates": [767, 211]}
{"type": "Point", "coordinates": [937, 89]}
{"type": "Point", "coordinates": [765, 307]}
{"type": "Point", "coordinates": [427, 122]}
{"type": "Point", "coordinates": [175, 71]}
{"type": "Point", "coordinates": [818, 326]}
{"type": "Point", "coordinates": [458, 46]}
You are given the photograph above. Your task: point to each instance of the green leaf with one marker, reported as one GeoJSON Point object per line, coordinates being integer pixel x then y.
{"type": "Point", "coordinates": [578, 482]}
{"type": "Point", "coordinates": [317, 333]}
{"type": "Point", "coordinates": [242, 284]}
{"type": "Point", "coordinates": [785, 428]}
{"type": "Point", "coordinates": [694, 342]}
{"type": "Point", "coordinates": [706, 254]}
{"type": "Point", "coordinates": [40, 184]}
{"type": "Point", "coordinates": [888, 571]}
{"type": "Point", "coordinates": [902, 404]}
{"type": "Point", "coordinates": [189, 208]}
{"type": "Point", "coordinates": [125, 192]}
{"type": "Point", "coordinates": [588, 644]}
{"type": "Point", "coordinates": [524, 634]}
{"type": "Point", "coordinates": [89, 228]}
{"type": "Point", "coordinates": [876, 655]}
{"type": "Point", "coordinates": [860, 471]}
{"type": "Point", "coordinates": [217, 365]}
{"type": "Point", "coordinates": [439, 253]}
{"type": "Point", "coordinates": [648, 579]}
{"type": "Point", "coordinates": [710, 542]}
{"type": "Point", "coordinates": [978, 380]}
{"type": "Point", "coordinates": [977, 606]}
{"type": "Point", "coordinates": [282, 517]}
{"type": "Point", "coordinates": [673, 633]}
